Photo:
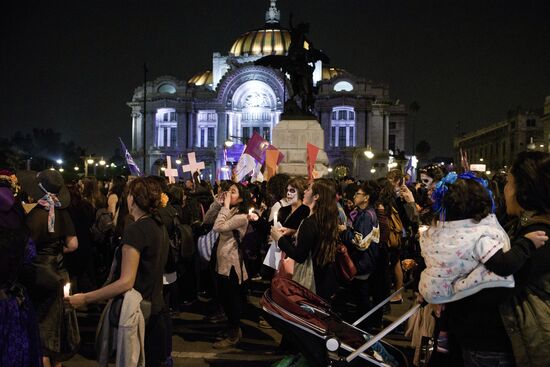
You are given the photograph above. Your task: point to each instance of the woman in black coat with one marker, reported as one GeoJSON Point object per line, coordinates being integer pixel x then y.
{"type": "Point", "coordinates": [510, 326]}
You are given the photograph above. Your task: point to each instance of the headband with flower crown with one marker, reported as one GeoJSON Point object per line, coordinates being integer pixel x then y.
{"type": "Point", "coordinates": [442, 187]}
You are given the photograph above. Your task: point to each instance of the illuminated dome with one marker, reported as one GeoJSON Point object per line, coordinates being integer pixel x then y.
{"type": "Point", "coordinates": [271, 39]}
{"type": "Point", "coordinates": [202, 78]}
{"type": "Point", "coordinates": [267, 41]}
{"type": "Point", "coordinates": [330, 72]}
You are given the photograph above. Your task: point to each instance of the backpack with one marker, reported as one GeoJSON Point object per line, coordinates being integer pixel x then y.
{"type": "Point", "coordinates": [206, 244]}
{"type": "Point", "coordinates": [103, 225]}
{"type": "Point", "coordinates": [181, 239]}
{"type": "Point", "coordinates": [395, 229]}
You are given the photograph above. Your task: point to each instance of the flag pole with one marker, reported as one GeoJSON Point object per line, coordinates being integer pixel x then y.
{"type": "Point", "coordinates": [144, 117]}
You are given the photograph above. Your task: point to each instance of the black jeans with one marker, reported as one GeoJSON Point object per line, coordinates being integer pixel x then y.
{"type": "Point", "coordinates": [231, 298]}
{"type": "Point", "coordinates": [487, 359]}
{"type": "Point", "coordinates": [155, 340]}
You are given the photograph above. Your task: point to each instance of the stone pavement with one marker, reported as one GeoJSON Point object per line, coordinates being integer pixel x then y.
{"type": "Point", "coordinates": [193, 337]}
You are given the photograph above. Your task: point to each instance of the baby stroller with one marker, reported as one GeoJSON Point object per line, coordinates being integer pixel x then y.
{"type": "Point", "coordinates": [322, 336]}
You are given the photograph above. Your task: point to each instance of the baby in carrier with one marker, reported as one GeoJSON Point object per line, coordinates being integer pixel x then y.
{"type": "Point", "coordinates": [466, 237]}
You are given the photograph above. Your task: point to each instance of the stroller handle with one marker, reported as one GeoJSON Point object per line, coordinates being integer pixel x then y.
{"type": "Point", "coordinates": [375, 308]}
{"type": "Point", "coordinates": [383, 333]}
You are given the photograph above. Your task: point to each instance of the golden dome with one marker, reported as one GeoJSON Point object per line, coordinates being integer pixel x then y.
{"type": "Point", "coordinates": [202, 78]}
{"type": "Point", "coordinates": [270, 40]}
{"type": "Point", "coordinates": [330, 72]}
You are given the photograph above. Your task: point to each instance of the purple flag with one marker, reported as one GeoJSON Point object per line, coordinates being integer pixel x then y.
{"type": "Point", "coordinates": [256, 147]}
{"type": "Point", "coordinates": [134, 169]}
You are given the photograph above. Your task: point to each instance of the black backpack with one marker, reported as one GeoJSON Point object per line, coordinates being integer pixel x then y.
{"type": "Point", "coordinates": [182, 243]}
{"type": "Point", "coordinates": [103, 226]}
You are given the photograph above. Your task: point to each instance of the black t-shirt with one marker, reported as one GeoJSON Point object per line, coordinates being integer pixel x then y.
{"type": "Point", "coordinates": [293, 220]}
{"type": "Point", "coordinates": [148, 237]}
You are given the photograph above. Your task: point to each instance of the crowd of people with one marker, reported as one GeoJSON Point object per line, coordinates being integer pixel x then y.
{"type": "Point", "coordinates": [473, 248]}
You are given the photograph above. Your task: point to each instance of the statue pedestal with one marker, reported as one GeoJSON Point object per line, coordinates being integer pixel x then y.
{"type": "Point", "coordinates": [291, 138]}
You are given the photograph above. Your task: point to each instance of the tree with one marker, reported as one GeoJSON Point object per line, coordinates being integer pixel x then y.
{"type": "Point", "coordinates": [43, 146]}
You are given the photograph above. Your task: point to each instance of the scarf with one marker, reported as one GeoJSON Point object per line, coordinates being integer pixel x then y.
{"type": "Point", "coordinates": [49, 201]}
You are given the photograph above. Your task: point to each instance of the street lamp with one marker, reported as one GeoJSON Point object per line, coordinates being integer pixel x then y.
{"type": "Point", "coordinates": [61, 169]}
{"type": "Point", "coordinates": [368, 153]}
{"type": "Point", "coordinates": [59, 161]}
{"type": "Point", "coordinates": [531, 145]}
{"type": "Point", "coordinates": [76, 168]}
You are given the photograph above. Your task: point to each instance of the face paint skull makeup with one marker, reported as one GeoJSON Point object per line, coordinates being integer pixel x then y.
{"type": "Point", "coordinates": [291, 194]}
{"type": "Point", "coordinates": [426, 180]}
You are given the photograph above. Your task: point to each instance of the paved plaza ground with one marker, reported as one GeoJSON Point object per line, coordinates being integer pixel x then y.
{"type": "Point", "coordinates": [193, 337]}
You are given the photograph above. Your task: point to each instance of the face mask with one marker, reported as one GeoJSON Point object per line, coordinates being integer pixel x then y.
{"type": "Point", "coordinates": [291, 195]}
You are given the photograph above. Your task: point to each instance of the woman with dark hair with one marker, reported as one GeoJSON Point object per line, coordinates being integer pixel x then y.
{"type": "Point", "coordinates": [81, 263]}
{"type": "Point", "coordinates": [526, 315]}
{"type": "Point", "coordinates": [91, 193]}
{"type": "Point", "coordinates": [292, 215]}
{"type": "Point", "coordinates": [317, 237]}
{"type": "Point", "coordinates": [140, 265]}
{"type": "Point", "coordinates": [229, 215]}
{"type": "Point", "coordinates": [469, 261]}
{"type": "Point", "coordinates": [114, 196]}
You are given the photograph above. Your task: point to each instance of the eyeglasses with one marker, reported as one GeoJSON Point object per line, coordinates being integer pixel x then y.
{"type": "Point", "coordinates": [359, 193]}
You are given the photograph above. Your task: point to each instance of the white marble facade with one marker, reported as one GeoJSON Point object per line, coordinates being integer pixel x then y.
{"type": "Point", "coordinates": [236, 98]}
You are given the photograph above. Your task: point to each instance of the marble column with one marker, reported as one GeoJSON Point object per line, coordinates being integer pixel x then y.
{"type": "Point", "coordinates": [375, 130]}
{"type": "Point", "coordinates": [222, 129]}
{"type": "Point", "coordinates": [150, 131]}
{"type": "Point", "coordinates": [181, 130]}
{"type": "Point", "coordinates": [360, 128]}
{"type": "Point", "coordinates": [386, 131]}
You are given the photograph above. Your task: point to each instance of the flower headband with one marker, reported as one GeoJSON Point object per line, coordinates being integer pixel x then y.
{"type": "Point", "coordinates": [442, 187]}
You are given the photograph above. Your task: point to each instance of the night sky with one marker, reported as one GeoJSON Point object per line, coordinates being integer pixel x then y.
{"type": "Point", "coordinates": [72, 66]}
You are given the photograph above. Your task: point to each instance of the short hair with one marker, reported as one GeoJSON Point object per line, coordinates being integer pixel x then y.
{"type": "Point", "coordinates": [434, 171]}
{"type": "Point", "coordinates": [372, 189]}
{"type": "Point", "coordinates": [300, 184]}
{"type": "Point", "coordinates": [465, 199]}
{"type": "Point", "coordinates": [531, 171]}
{"type": "Point", "coordinates": [276, 186]}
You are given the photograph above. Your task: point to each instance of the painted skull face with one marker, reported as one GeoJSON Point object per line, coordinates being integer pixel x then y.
{"type": "Point", "coordinates": [426, 180]}
{"type": "Point", "coordinates": [291, 194]}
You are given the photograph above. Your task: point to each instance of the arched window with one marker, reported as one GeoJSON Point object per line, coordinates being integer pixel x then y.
{"type": "Point", "coordinates": [166, 124]}
{"type": "Point", "coordinates": [343, 86]}
{"type": "Point", "coordinates": [342, 127]}
{"type": "Point", "coordinates": [167, 88]}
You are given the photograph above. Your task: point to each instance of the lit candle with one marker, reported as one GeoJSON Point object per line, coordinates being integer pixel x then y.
{"type": "Point", "coordinates": [67, 290]}
{"type": "Point", "coordinates": [275, 218]}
